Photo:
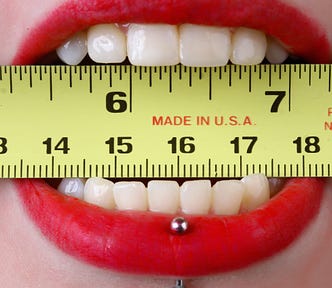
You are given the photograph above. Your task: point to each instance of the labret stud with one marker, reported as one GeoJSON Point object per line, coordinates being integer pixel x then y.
{"type": "Point", "coordinates": [179, 225]}
{"type": "Point", "coordinates": [179, 284]}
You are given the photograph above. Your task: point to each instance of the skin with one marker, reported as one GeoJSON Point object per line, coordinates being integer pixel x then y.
{"type": "Point", "coordinates": [29, 260]}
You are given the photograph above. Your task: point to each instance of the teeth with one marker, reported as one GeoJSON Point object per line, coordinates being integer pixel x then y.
{"type": "Point", "coordinates": [249, 46]}
{"type": "Point", "coordinates": [130, 196]}
{"type": "Point", "coordinates": [99, 191]}
{"type": "Point", "coordinates": [275, 53]}
{"type": "Point", "coordinates": [74, 50]}
{"type": "Point", "coordinates": [161, 44]}
{"type": "Point", "coordinates": [256, 193]}
{"type": "Point", "coordinates": [227, 196]}
{"type": "Point", "coordinates": [195, 197]}
{"type": "Point", "coordinates": [204, 45]}
{"type": "Point", "coordinates": [106, 44]}
{"type": "Point", "coordinates": [153, 45]}
{"type": "Point", "coordinates": [72, 187]}
{"type": "Point", "coordinates": [163, 196]}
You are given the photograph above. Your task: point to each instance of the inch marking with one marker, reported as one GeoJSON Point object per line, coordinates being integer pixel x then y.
{"type": "Point", "coordinates": [30, 77]}
{"type": "Point", "coordinates": [170, 82]}
{"type": "Point", "coordinates": [250, 79]}
{"type": "Point", "coordinates": [60, 73]}
{"type": "Point", "coordinates": [150, 76]}
{"type": "Point", "coordinates": [10, 80]}
{"type": "Point", "coordinates": [84, 168]}
{"type": "Point", "coordinates": [210, 85]}
{"type": "Point", "coordinates": [230, 76]}
{"type": "Point", "coordinates": [52, 166]}
{"type": "Point", "coordinates": [90, 80]}
{"type": "Point", "coordinates": [290, 90]}
{"type": "Point", "coordinates": [270, 75]}
{"type": "Point", "coordinates": [51, 83]}
{"type": "Point", "coordinates": [70, 76]}
{"type": "Point", "coordinates": [329, 79]}
{"type": "Point", "coordinates": [130, 90]}
{"type": "Point", "coordinates": [20, 71]}
{"type": "Point", "coordinates": [111, 77]}
{"type": "Point", "coordinates": [310, 75]}
{"type": "Point", "coordinates": [190, 77]}
{"type": "Point", "coordinates": [21, 168]}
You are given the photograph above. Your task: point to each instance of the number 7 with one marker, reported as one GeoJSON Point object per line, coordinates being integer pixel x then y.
{"type": "Point", "coordinates": [280, 96]}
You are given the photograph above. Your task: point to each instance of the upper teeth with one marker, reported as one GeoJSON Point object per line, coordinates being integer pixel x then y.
{"type": "Point", "coordinates": [162, 44]}
{"type": "Point", "coordinates": [226, 197]}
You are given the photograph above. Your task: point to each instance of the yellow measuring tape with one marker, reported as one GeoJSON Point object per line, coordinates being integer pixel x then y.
{"type": "Point", "coordinates": [126, 121]}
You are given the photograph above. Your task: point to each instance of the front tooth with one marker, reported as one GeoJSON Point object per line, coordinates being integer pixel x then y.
{"type": "Point", "coordinates": [195, 197]}
{"type": "Point", "coordinates": [73, 51]}
{"type": "Point", "coordinates": [249, 46]}
{"type": "Point", "coordinates": [227, 197]}
{"type": "Point", "coordinates": [275, 53]}
{"type": "Point", "coordinates": [153, 44]}
{"type": "Point", "coordinates": [204, 45]}
{"type": "Point", "coordinates": [73, 187]}
{"type": "Point", "coordinates": [256, 193]}
{"type": "Point", "coordinates": [106, 44]}
{"type": "Point", "coordinates": [130, 196]}
{"type": "Point", "coordinates": [99, 191]}
{"type": "Point", "coordinates": [163, 196]}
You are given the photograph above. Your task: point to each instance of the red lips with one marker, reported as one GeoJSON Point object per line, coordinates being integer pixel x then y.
{"type": "Point", "coordinates": [296, 30]}
{"type": "Point", "coordinates": [141, 242]}
{"type": "Point", "coordinates": [138, 242]}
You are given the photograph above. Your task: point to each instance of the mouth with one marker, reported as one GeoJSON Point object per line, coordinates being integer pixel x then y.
{"type": "Point", "coordinates": [232, 223]}
{"type": "Point", "coordinates": [302, 36]}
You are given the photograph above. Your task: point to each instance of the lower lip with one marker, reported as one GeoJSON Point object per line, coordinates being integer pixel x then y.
{"type": "Point", "coordinates": [305, 37]}
{"type": "Point", "coordinates": [142, 243]}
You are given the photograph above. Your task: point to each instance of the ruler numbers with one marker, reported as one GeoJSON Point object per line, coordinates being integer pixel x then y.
{"type": "Point", "coordinates": [165, 121]}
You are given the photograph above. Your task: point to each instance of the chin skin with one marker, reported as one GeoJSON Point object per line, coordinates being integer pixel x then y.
{"type": "Point", "coordinates": [25, 253]}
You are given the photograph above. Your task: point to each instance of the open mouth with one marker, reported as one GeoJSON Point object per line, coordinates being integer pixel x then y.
{"type": "Point", "coordinates": [123, 226]}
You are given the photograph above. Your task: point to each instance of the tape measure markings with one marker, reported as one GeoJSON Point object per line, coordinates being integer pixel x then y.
{"type": "Point", "coordinates": [53, 170]}
{"type": "Point", "coordinates": [240, 70]}
{"type": "Point", "coordinates": [175, 89]}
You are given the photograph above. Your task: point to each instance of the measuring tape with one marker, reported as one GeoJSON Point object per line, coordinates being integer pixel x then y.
{"type": "Point", "coordinates": [127, 121]}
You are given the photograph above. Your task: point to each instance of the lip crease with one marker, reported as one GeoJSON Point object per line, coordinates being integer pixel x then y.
{"type": "Point", "coordinates": [302, 35]}
{"type": "Point", "coordinates": [141, 243]}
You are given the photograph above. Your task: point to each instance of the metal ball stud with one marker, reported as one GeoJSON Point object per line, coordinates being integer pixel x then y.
{"type": "Point", "coordinates": [179, 225]}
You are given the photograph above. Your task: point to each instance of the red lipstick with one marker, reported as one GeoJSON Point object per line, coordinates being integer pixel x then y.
{"type": "Point", "coordinates": [297, 31]}
{"type": "Point", "coordinates": [142, 242]}
{"type": "Point", "coordinates": [137, 242]}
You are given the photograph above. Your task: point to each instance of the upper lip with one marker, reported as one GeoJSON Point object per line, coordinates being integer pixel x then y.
{"type": "Point", "coordinates": [143, 244]}
{"type": "Point", "coordinates": [304, 37]}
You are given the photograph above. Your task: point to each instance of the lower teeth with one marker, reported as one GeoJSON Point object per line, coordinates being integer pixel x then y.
{"type": "Point", "coordinates": [225, 197]}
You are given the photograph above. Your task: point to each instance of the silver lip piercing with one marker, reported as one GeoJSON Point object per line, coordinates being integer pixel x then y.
{"type": "Point", "coordinates": [179, 284]}
{"type": "Point", "coordinates": [179, 225]}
